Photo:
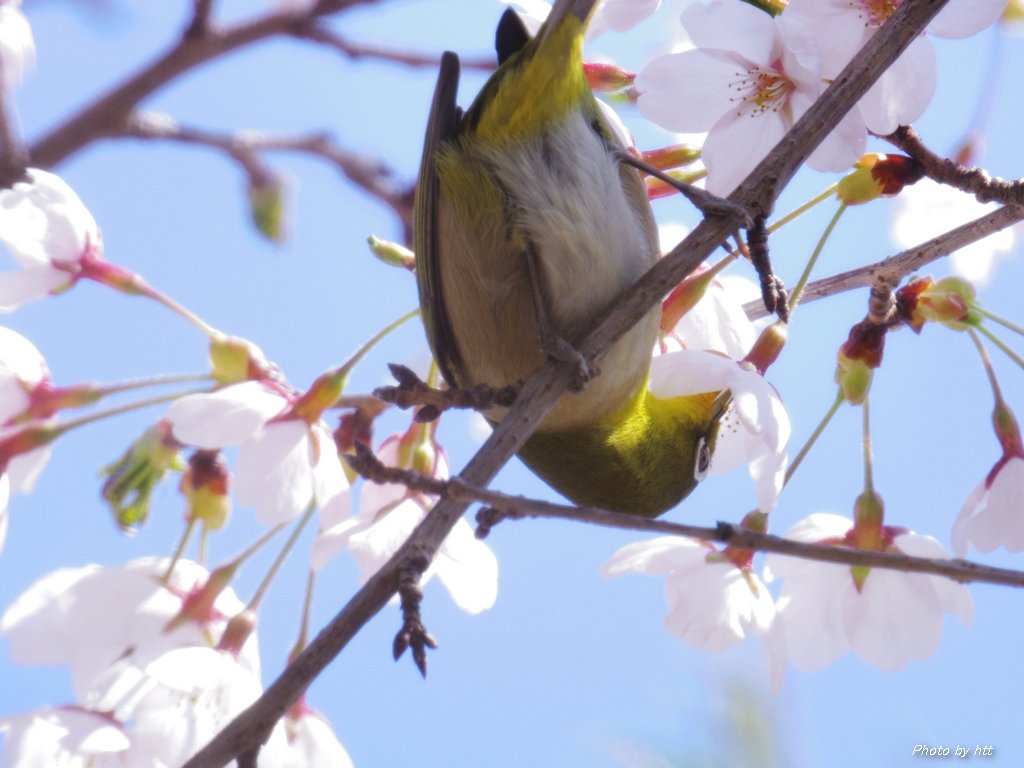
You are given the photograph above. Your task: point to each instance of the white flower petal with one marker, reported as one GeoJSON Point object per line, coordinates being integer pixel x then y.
{"type": "Point", "coordinates": [42, 220]}
{"type": "Point", "coordinates": [468, 569]}
{"type": "Point", "coordinates": [306, 741]}
{"type": "Point", "coordinates": [17, 48]}
{"type": "Point", "coordinates": [657, 557]}
{"type": "Point", "coordinates": [963, 18]}
{"type": "Point", "coordinates": [65, 736]}
{"type": "Point", "coordinates": [902, 93]}
{"type": "Point", "coordinates": [228, 416]}
{"type": "Point", "coordinates": [275, 471]}
{"type": "Point", "coordinates": [720, 25]}
{"type": "Point", "coordinates": [29, 284]}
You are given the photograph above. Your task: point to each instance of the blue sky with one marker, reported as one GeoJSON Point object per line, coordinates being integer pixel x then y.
{"type": "Point", "coordinates": [567, 669]}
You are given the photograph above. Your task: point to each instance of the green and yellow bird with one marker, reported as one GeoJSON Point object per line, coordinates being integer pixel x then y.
{"type": "Point", "coordinates": [529, 224]}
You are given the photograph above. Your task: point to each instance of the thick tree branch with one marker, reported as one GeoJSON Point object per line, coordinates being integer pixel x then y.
{"type": "Point", "coordinates": [540, 393]}
{"type": "Point", "coordinates": [108, 113]}
{"type": "Point", "coordinates": [892, 269]}
{"type": "Point", "coordinates": [200, 24]}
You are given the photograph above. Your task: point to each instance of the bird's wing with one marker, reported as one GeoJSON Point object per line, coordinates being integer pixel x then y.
{"type": "Point", "coordinates": [442, 126]}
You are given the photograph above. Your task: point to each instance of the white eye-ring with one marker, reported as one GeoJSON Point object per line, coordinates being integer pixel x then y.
{"type": "Point", "coordinates": [703, 463]}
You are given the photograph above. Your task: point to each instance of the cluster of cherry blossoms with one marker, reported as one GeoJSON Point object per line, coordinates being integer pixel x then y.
{"type": "Point", "coordinates": [288, 466]}
{"type": "Point", "coordinates": [750, 76]}
{"type": "Point", "coordinates": [161, 658]}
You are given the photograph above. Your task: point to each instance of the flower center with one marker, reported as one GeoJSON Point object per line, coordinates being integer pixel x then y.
{"type": "Point", "coordinates": [762, 90]}
{"type": "Point", "coordinates": [875, 12]}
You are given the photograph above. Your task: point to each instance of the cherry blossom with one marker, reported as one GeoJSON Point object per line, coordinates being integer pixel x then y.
{"type": "Point", "coordinates": [892, 618]}
{"type": "Point", "coordinates": [179, 699]}
{"type": "Point", "coordinates": [17, 48]}
{"type": "Point", "coordinates": [748, 80]}
{"type": "Point", "coordinates": [49, 232]}
{"type": "Point", "coordinates": [928, 209]}
{"type": "Point", "coordinates": [66, 736]}
{"type": "Point", "coordinates": [23, 371]}
{"type": "Point", "coordinates": [284, 463]}
{"type": "Point", "coordinates": [993, 514]}
{"type": "Point", "coordinates": [303, 737]}
{"type": "Point", "coordinates": [904, 90]}
{"type": "Point", "coordinates": [5, 497]}
{"type": "Point", "coordinates": [716, 323]}
{"type": "Point", "coordinates": [387, 515]}
{"type": "Point", "coordinates": [90, 617]}
{"type": "Point", "coordinates": [755, 429]}
{"type": "Point", "coordinates": [713, 604]}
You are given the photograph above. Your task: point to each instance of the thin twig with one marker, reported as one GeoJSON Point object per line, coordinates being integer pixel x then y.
{"type": "Point", "coordinates": [542, 391]}
{"type": "Point", "coordinates": [894, 268]}
{"type": "Point", "coordinates": [411, 390]}
{"type": "Point", "coordinates": [371, 175]}
{"type": "Point", "coordinates": [355, 51]}
{"type": "Point", "coordinates": [505, 506]}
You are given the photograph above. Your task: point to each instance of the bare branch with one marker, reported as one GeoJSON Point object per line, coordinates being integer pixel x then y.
{"type": "Point", "coordinates": [894, 268]}
{"type": "Point", "coordinates": [13, 157]}
{"type": "Point", "coordinates": [109, 113]}
{"type": "Point", "coordinates": [543, 389]}
{"type": "Point", "coordinates": [200, 23]}
{"type": "Point", "coordinates": [973, 180]}
{"type": "Point", "coordinates": [371, 175]}
{"type": "Point", "coordinates": [502, 506]}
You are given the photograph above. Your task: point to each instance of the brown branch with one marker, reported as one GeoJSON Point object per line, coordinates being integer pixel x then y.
{"type": "Point", "coordinates": [974, 180]}
{"type": "Point", "coordinates": [200, 23]}
{"type": "Point", "coordinates": [13, 156]}
{"type": "Point", "coordinates": [356, 51]}
{"type": "Point", "coordinates": [542, 390]}
{"type": "Point", "coordinates": [501, 506]}
{"type": "Point", "coordinates": [109, 113]}
{"type": "Point", "coordinates": [963, 571]}
{"type": "Point", "coordinates": [893, 269]}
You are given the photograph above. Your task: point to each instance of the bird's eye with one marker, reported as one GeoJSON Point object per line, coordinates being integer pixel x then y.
{"type": "Point", "coordinates": [700, 468]}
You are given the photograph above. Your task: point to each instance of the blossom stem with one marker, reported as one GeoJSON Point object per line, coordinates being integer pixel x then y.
{"type": "Point", "coordinates": [307, 605]}
{"type": "Point", "coordinates": [82, 421]}
{"type": "Point", "coordinates": [1001, 320]}
{"type": "Point", "coordinates": [261, 590]}
{"type": "Point", "coordinates": [144, 289]}
{"type": "Point", "coordinates": [989, 370]}
{"type": "Point", "coordinates": [869, 484]}
{"type": "Point", "coordinates": [179, 550]}
{"type": "Point", "coordinates": [801, 210]}
{"type": "Point", "coordinates": [794, 297]}
{"type": "Point", "coordinates": [203, 540]}
{"type": "Point", "coordinates": [1002, 346]}
{"type": "Point", "coordinates": [805, 449]}
{"type": "Point", "coordinates": [346, 368]}
{"type": "Point", "coordinates": [152, 381]}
